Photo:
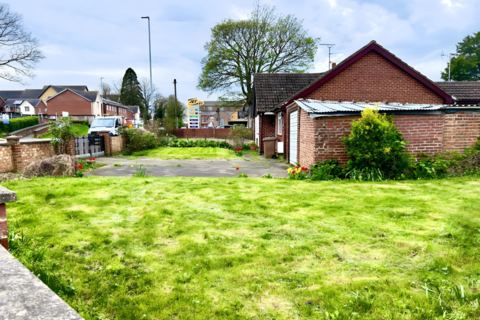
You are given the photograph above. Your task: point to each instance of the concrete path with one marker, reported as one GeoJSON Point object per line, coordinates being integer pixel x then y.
{"type": "Point", "coordinates": [190, 168]}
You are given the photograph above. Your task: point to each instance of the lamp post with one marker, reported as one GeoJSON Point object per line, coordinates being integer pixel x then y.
{"type": "Point", "coordinates": [150, 54]}
{"type": "Point", "coordinates": [450, 63]}
{"type": "Point", "coordinates": [101, 86]}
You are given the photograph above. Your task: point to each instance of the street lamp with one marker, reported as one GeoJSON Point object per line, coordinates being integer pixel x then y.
{"type": "Point", "coordinates": [150, 54]}
{"type": "Point", "coordinates": [101, 86]}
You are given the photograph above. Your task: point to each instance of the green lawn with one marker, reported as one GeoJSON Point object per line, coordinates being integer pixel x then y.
{"type": "Point", "coordinates": [81, 127]}
{"type": "Point", "coordinates": [200, 248]}
{"type": "Point", "coordinates": [166, 153]}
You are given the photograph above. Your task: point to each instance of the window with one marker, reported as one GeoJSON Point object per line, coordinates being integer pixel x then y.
{"type": "Point", "coordinates": [280, 123]}
{"type": "Point", "coordinates": [27, 109]}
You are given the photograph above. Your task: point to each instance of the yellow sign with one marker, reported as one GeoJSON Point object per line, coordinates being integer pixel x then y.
{"type": "Point", "coordinates": [195, 102]}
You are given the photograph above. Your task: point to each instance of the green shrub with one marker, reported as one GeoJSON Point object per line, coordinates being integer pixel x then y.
{"type": "Point", "coordinates": [375, 144]}
{"type": "Point", "coordinates": [238, 133]}
{"type": "Point", "coordinates": [19, 123]}
{"type": "Point", "coordinates": [326, 170]}
{"type": "Point", "coordinates": [138, 140]}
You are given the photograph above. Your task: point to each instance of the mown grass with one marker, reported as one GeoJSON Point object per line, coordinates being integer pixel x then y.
{"type": "Point", "coordinates": [166, 153]}
{"type": "Point", "coordinates": [81, 127]}
{"type": "Point", "coordinates": [204, 248]}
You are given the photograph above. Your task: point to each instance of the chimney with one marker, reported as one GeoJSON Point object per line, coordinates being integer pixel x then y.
{"type": "Point", "coordinates": [334, 64]}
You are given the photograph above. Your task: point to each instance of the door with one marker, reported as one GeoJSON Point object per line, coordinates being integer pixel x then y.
{"type": "Point", "coordinates": [293, 137]}
{"type": "Point", "coordinates": [257, 130]}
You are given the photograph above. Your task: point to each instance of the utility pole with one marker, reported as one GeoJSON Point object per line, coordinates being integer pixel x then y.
{"type": "Point", "coordinates": [329, 45]}
{"type": "Point", "coordinates": [175, 87]}
{"type": "Point", "coordinates": [150, 55]}
{"type": "Point", "coordinates": [450, 56]}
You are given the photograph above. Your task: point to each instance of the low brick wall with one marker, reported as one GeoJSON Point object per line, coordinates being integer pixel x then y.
{"type": "Point", "coordinates": [201, 133]}
{"type": "Point", "coordinates": [6, 161]}
{"type": "Point", "coordinates": [28, 131]}
{"type": "Point", "coordinates": [25, 152]}
{"type": "Point", "coordinates": [320, 138]}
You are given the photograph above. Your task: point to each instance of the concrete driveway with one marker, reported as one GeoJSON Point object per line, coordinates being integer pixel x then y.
{"type": "Point", "coordinates": [189, 168]}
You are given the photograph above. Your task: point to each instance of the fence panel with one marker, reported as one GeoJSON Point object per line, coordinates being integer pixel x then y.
{"type": "Point", "coordinates": [86, 148]}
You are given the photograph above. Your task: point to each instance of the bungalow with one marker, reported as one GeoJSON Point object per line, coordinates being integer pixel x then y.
{"type": "Point", "coordinates": [52, 90]}
{"type": "Point", "coordinates": [313, 118]}
{"type": "Point", "coordinates": [81, 105]}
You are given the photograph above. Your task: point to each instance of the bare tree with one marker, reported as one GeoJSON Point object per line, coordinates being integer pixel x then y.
{"type": "Point", "coordinates": [19, 50]}
{"type": "Point", "coordinates": [117, 85]}
{"type": "Point", "coordinates": [149, 96]}
{"type": "Point", "coordinates": [106, 89]}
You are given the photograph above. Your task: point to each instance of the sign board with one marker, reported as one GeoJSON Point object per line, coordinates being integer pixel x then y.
{"type": "Point", "coordinates": [5, 119]}
{"type": "Point", "coordinates": [194, 113]}
{"type": "Point", "coordinates": [64, 114]}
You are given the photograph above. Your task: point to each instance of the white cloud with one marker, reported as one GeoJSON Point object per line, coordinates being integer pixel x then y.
{"type": "Point", "coordinates": [104, 38]}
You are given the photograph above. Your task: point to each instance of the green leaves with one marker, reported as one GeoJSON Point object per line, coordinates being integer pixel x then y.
{"type": "Point", "coordinates": [466, 67]}
{"type": "Point", "coordinates": [265, 43]}
{"type": "Point", "coordinates": [131, 93]}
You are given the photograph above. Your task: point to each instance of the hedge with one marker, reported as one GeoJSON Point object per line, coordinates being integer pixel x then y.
{"type": "Point", "coordinates": [18, 123]}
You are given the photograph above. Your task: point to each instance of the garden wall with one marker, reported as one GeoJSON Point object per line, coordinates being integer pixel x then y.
{"type": "Point", "coordinates": [16, 154]}
{"type": "Point", "coordinates": [200, 133]}
{"type": "Point", "coordinates": [321, 138]}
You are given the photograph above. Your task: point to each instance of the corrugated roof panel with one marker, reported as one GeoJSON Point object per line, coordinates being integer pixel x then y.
{"type": "Point", "coordinates": [316, 106]}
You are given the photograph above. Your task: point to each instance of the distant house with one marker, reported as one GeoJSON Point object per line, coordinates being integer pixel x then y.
{"type": "Point", "coordinates": [51, 90]}
{"type": "Point", "coordinates": [110, 108]}
{"type": "Point", "coordinates": [20, 108]}
{"type": "Point", "coordinates": [135, 112]}
{"type": "Point", "coordinates": [81, 105]}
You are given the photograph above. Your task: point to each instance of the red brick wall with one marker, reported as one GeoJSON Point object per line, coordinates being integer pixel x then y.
{"type": "Point", "coordinates": [373, 78]}
{"type": "Point", "coordinates": [320, 138]}
{"type": "Point", "coordinates": [423, 132]}
{"type": "Point", "coordinates": [40, 108]}
{"type": "Point", "coordinates": [306, 138]}
{"type": "Point", "coordinates": [461, 130]}
{"type": "Point", "coordinates": [6, 163]}
{"type": "Point", "coordinates": [70, 102]}
{"type": "Point", "coordinates": [267, 129]}
{"type": "Point", "coordinates": [25, 153]}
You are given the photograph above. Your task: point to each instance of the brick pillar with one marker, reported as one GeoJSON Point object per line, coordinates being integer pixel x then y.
{"type": "Point", "coordinates": [14, 141]}
{"type": "Point", "coordinates": [108, 142]}
{"type": "Point", "coordinates": [71, 147]}
{"type": "Point", "coordinates": [5, 196]}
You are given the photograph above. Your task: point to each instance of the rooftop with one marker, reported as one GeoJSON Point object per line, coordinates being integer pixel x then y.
{"type": "Point", "coordinates": [324, 108]}
{"type": "Point", "coordinates": [272, 89]}
{"type": "Point", "coordinates": [462, 91]}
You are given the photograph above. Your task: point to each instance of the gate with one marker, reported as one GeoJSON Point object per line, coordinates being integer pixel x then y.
{"type": "Point", "coordinates": [89, 147]}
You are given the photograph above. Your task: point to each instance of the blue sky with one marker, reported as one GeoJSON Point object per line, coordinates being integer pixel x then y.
{"type": "Point", "coordinates": [83, 41]}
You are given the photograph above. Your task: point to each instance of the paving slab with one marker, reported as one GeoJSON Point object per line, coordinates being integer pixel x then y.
{"type": "Point", "coordinates": [189, 168]}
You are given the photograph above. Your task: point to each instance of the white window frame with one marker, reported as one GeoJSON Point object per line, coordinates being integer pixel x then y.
{"type": "Point", "coordinates": [279, 124]}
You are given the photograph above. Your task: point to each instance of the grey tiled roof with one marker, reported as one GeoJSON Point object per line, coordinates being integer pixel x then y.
{"type": "Point", "coordinates": [32, 93]}
{"type": "Point", "coordinates": [89, 95]}
{"type": "Point", "coordinates": [134, 109]}
{"type": "Point", "coordinates": [11, 94]}
{"type": "Point", "coordinates": [113, 103]}
{"type": "Point", "coordinates": [468, 91]}
{"type": "Point", "coordinates": [272, 89]}
{"type": "Point", "coordinates": [61, 87]}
